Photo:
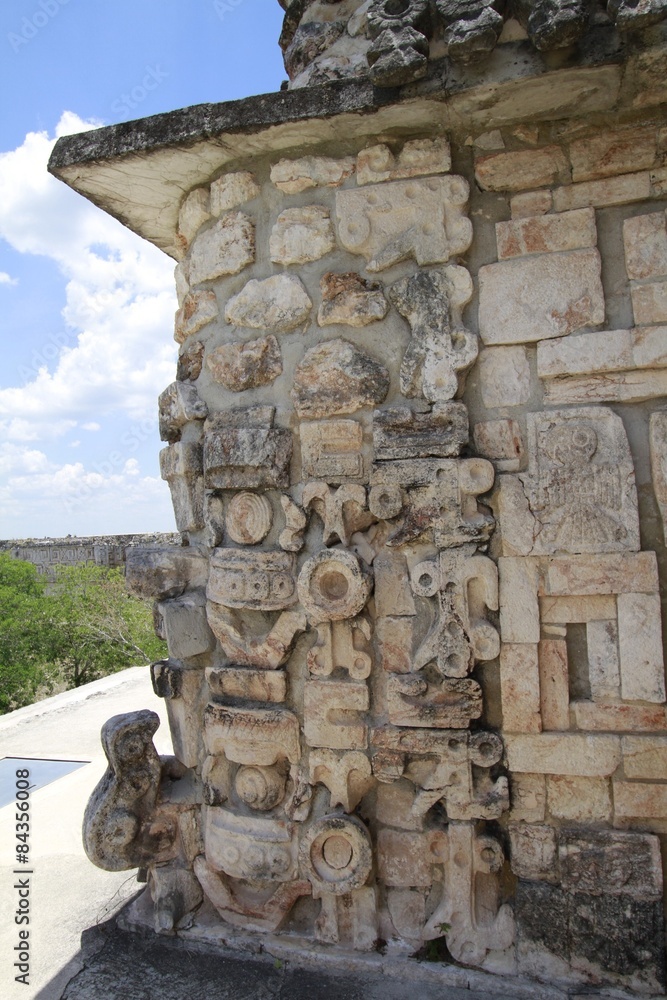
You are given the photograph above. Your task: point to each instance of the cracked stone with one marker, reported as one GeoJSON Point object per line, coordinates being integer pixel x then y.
{"type": "Point", "coordinates": [280, 303]}
{"type": "Point", "coordinates": [301, 235]}
{"type": "Point", "coordinates": [241, 366]}
{"type": "Point", "coordinates": [334, 378]}
{"type": "Point", "coordinates": [226, 248]}
{"type": "Point", "coordinates": [351, 300]}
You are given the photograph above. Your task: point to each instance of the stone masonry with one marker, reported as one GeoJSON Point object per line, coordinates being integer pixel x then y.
{"type": "Point", "coordinates": [417, 450]}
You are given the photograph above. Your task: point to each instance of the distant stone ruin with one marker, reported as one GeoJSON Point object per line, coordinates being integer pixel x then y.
{"type": "Point", "coordinates": [47, 554]}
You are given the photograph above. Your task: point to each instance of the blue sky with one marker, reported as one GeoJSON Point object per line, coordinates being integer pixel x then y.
{"type": "Point", "coordinates": [86, 308]}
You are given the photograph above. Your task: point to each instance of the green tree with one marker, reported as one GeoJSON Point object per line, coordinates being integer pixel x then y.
{"type": "Point", "coordinates": [24, 633]}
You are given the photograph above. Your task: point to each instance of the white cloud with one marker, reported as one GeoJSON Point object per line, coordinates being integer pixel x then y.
{"type": "Point", "coordinates": [6, 279]}
{"type": "Point", "coordinates": [90, 425]}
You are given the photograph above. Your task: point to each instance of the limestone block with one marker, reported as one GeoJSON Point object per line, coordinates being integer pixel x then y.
{"type": "Point", "coordinates": [248, 518]}
{"type": "Point", "coordinates": [564, 753]}
{"type": "Point", "coordinates": [294, 176]}
{"type": "Point", "coordinates": [225, 248]}
{"type": "Point", "coordinates": [194, 212]}
{"type": "Point", "coordinates": [606, 861]}
{"type": "Point", "coordinates": [562, 610]}
{"type": "Point", "coordinates": [402, 433]}
{"type": "Point", "coordinates": [333, 585]}
{"type": "Point", "coordinates": [529, 798]}
{"type": "Point", "coordinates": [645, 757]}
{"type": "Point", "coordinates": [554, 684]}
{"type": "Point", "coordinates": [400, 220]}
{"type": "Point", "coordinates": [341, 510]}
{"type": "Point", "coordinates": [393, 595]}
{"type": "Point", "coordinates": [616, 573]}
{"type": "Point", "coordinates": [176, 893]}
{"type": "Point", "coordinates": [334, 377]}
{"type": "Point", "coordinates": [649, 303]}
{"type": "Point", "coordinates": [336, 854]}
{"type": "Point", "coordinates": [520, 688]}
{"type": "Point", "coordinates": [470, 32]}
{"type": "Point", "coordinates": [350, 920]}
{"type": "Point", "coordinates": [405, 859]}
{"type": "Point", "coordinates": [181, 467]}
{"type": "Point", "coordinates": [610, 153]}
{"type": "Point", "coordinates": [333, 714]}
{"type": "Point", "coordinates": [546, 233]}
{"type": "Point", "coordinates": [394, 636]}
{"type": "Point", "coordinates": [608, 351]}
{"type": "Point", "coordinates": [161, 572]}
{"type": "Point", "coordinates": [346, 775]}
{"type": "Point", "coordinates": [529, 203]}
{"type": "Point", "coordinates": [580, 483]}
{"type": "Point", "coordinates": [504, 375]}
{"type": "Point", "coordinates": [185, 694]}
{"type": "Point", "coordinates": [243, 451]}
{"type": "Point", "coordinates": [232, 190]}
{"type": "Point", "coordinates": [616, 717]}
{"type": "Point", "coordinates": [522, 170]}
{"type": "Point", "coordinates": [198, 309]}
{"type": "Point", "coordinates": [249, 684]}
{"type": "Point", "coordinates": [658, 446]}
{"type": "Point", "coordinates": [640, 647]}
{"type": "Point", "coordinates": [519, 607]}
{"type": "Point", "coordinates": [266, 917]}
{"type": "Point", "coordinates": [603, 663]}
{"type": "Point", "coordinates": [243, 646]}
{"type": "Point", "coordinates": [342, 645]}
{"type": "Point", "coordinates": [300, 235]}
{"type": "Point", "coordinates": [239, 366]}
{"type": "Point", "coordinates": [441, 349]}
{"type": "Point", "coordinates": [185, 626]}
{"type": "Point", "coordinates": [570, 297]}
{"type": "Point", "coordinates": [398, 55]}
{"type": "Point", "coordinates": [280, 303]}
{"type": "Point", "coordinates": [250, 847]}
{"type": "Point", "coordinates": [260, 580]}
{"type": "Point", "coordinates": [501, 441]}
{"type": "Point", "coordinates": [332, 450]}
{"type": "Point", "coordinates": [351, 300]}
{"type": "Point", "coordinates": [579, 800]}
{"type": "Point", "coordinates": [178, 404]}
{"type": "Point", "coordinates": [645, 240]}
{"type": "Point", "coordinates": [416, 158]}
{"type": "Point", "coordinates": [258, 736]}
{"type": "Point", "coordinates": [603, 193]}
{"type": "Point", "coordinates": [446, 704]}
{"type": "Point", "coordinates": [639, 800]}
{"type": "Point", "coordinates": [291, 537]}
{"type": "Point", "coordinates": [189, 363]}
{"type": "Point", "coordinates": [534, 852]}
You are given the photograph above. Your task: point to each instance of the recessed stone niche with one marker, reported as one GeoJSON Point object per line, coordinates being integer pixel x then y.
{"type": "Point", "coordinates": [415, 679]}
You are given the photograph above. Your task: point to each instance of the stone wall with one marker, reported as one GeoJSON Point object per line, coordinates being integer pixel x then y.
{"type": "Point", "coordinates": [47, 554]}
{"type": "Point", "coordinates": [417, 449]}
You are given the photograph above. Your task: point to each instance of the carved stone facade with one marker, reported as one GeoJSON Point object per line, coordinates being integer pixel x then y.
{"type": "Point", "coordinates": [415, 682]}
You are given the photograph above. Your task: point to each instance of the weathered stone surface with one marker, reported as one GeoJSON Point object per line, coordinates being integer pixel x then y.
{"type": "Point", "coordinates": [309, 40]}
{"type": "Point", "coordinates": [294, 176]}
{"type": "Point", "coordinates": [613, 863]}
{"type": "Point", "coordinates": [225, 248]}
{"type": "Point", "coordinates": [611, 153]}
{"type": "Point", "coordinates": [519, 608]}
{"type": "Point", "coordinates": [447, 704]}
{"type": "Point", "coordinates": [579, 800]}
{"type": "Point", "coordinates": [534, 852]}
{"type": "Point", "coordinates": [397, 56]}
{"type": "Point", "coordinates": [334, 377]}
{"type": "Point", "coordinates": [333, 714]}
{"type": "Point", "coordinates": [603, 351]}
{"type": "Point", "coordinates": [332, 450]}
{"type": "Point", "coordinates": [242, 450]}
{"type": "Point", "coordinates": [504, 376]}
{"type": "Point", "coordinates": [198, 309]}
{"type": "Point", "coordinates": [351, 300]}
{"type": "Point", "coordinates": [402, 433]}
{"type": "Point", "coordinates": [645, 757]}
{"type": "Point", "coordinates": [570, 297]}
{"type": "Point", "coordinates": [628, 16]}
{"type": "Point", "coordinates": [181, 467]}
{"type": "Point", "coordinates": [248, 518]}
{"type": "Point", "coordinates": [261, 580]}
{"type": "Point", "coordinates": [336, 854]}
{"type": "Point", "coordinates": [242, 646]}
{"type": "Point", "coordinates": [645, 239]}
{"type": "Point", "coordinates": [522, 170]}
{"type": "Point", "coordinates": [640, 647]}
{"type": "Point", "coordinates": [280, 303]}
{"type": "Point", "coordinates": [441, 349]}
{"type": "Point", "coordinates": [649, 303]}
{"type": "Point", "coordinates": [547, 233]}
{"type": "Point", "coordinates": [161, 572]}
{"type": "Point", "coordinates": [240, 366]}
{"type": "Point", "coordinates": [658, 448]}
{"type": "Point", "coordinates": [640, 800]}
{"type": "Point", "coordinates": [520, 688]}
{"type": "Point", "coordinates": [472, 28]}
{"type": "Point", "coordinates": [342, 645]}
{"type": "Point", "coordinates": [192, 216]}
{"type": "Point", "coordinates": [185, 692]}
{"type": "Point", "coordinates": [301, 235]}
{"type": "Point", "coordinates": [610, 387]}
{"type": "Point", "coordinates": [349, 920]}
{"type": "Point", "coordinates": [251, 685]}
{"type": "Point", "coordinates": [346, 775]}
{"type": "Point", "coordinates": [553, 24]}
{"type": "Point", "coordinates": [341, 509]}
{"type": "Point", "coordinates": [256, 736]}
{"type": "Point", "coordinates": [603, 660]}
{"type": "Point", "coordinates": [603, 193]}
{"type": "Point", "coordinates": [530, 203]}
{"type": "Point", "coordinates": [564, 753]}
{"type": "Point", "coordinates": [232, 190]}
{"type": "Point", "coordinates": [591, 716]}
{"type": "Point", "coordinates": [561, 610]}
{"type": "Point", "coordinates": [621, 573]}
{"type": "Point", "coordinates": [554, 684]}
{"type": "Point", "coordinates": [178, 404]}
{"type": "Point", "coordinates": [420, 219]}
{"type": "Point", "coordinates": [291, 537]}
{"type": "Point", "coordinates": [333, 585]}
{"type": "Point", "coordinates": [189, 364]}
{"type": "Point", "coordinates": [185, 626]}
{"type": "Point", "coordinates": [416, 158]}
{"type": "Point", "coordinates": [529, 798]}
{"type": "Point", "coordinates": [501, 441]}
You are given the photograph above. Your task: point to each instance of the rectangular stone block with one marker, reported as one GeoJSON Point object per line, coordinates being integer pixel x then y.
{"type": "Point", "coordinates": [554, 684]}
{"type": "Point", "coordinates": [563, 610]}
{"type": "Point", "coordinates": [258, 736]}
{"type": "Point", "coordinates": [603, 661]}
{"type": "Point", "coordinates": [404, 859]}
{"type": "Point", "coordinates": [331, 450]}
{"type": "Point", "coordinates": [645, 241]}
{"type": "Point", "coordinates": [579, 800]}
{"type": "Point", "coordinates": [332, 714]}
{"type": "Point", "coordinates": [615, 717]}
{"type": "Point", "coordinates": [519, 606]}
{"type": "Point", "coordinates": [640, 647]}
{"type": "Point", "coordinates": [570, 297]}
{"type": "Point", "coordinates": [258, 580]}
{"type": "Point", "coordinates": [564, 753]}
{"type": "Point", "coordinates": [504, 375]}
{"type": "Point", "coordinates": [242, 450]}
{"type": "Point", "coordinates": [639, 800]}
{"type": "Point", "coordinates": [603, 193]}
{"type": "Point", "coordinates": [645, 757]}
{"type": "Point", "coordinates": [395, 641]}
{"type": "Point", "coordinates": [521, 170]}
{"type": "Point", "coordinates": [185, 626]}
{"type": "Point", "coordinates": [534, 852]}
{"type": "Point", "coordinates": [611, 573]}
{"type": "Point", "coordinates": [547, 233]}
{"type": "Point", "coordinates": [448, 704]}
{"type": "Point", "coordinates": [612, 153]}
{"type": "Point", "coordinates": [402, 433]}
{"type": "Point", "coordinates": [520, 688]}
{"type": "Point", "coordinates": [244, 682]}
{"type": "Point", "coordinates": [649, 303]}
{"type": "Point", "coordinates": [529, 203]}
{"type": "Point", "coordinates": [417, 157]}
{"type": "Point", "coordinates": [614, 387]}
{"type": "Point", "coordinates": [658, 450]}
{"type": "Point", "coordinates": [611, 863]}
{"type": "Point", "coordinates": [529, 798]}
{"type": "Point", "coordinates": [500, 440]}
{"type": "Point", "coordinates": [603, 351]}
